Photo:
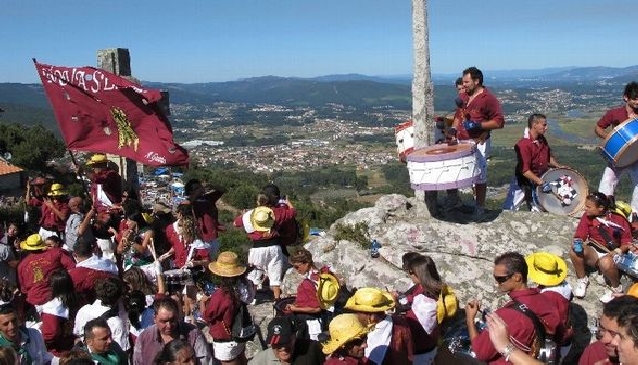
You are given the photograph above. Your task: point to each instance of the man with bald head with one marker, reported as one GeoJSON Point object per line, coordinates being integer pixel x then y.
{"type": "Point", "coordinates": [73, 222]}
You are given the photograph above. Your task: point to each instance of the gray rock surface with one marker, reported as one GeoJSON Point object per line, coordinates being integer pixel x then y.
{"type": "Point", "coordinates": [463, 251]}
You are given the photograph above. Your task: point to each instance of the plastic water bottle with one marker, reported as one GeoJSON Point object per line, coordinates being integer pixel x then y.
{"type": "Point", "coordinates": [374, 249]}
{"type": "Point", "coordinates": [578, 245]}
{"type": "Point", "coordinates": [627, 263]}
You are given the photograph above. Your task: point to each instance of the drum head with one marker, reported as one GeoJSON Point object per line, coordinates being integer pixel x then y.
{"type": "Point", "coordinates": [280, 306]}
{"type": "Point", "coordinates": [569, 191]}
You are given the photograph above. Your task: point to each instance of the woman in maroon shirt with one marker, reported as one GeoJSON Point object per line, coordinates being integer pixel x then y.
{"type": "Point", "coordinates": [221, 307]}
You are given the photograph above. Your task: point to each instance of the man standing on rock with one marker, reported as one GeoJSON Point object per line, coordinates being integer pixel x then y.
{"type": "Point", "coordinates": [613, 118]}
{"type": "Point", "coordinates": [481, 114]}
{"type": "Point", "coordinates": [510, 273]}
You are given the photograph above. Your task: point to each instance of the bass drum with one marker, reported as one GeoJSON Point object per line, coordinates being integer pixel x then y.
{"type": "Point", "coordinates": [568, 195]}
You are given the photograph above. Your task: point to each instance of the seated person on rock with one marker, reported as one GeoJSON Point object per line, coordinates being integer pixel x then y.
{"type": "Point", "coordinates": [600, 234]}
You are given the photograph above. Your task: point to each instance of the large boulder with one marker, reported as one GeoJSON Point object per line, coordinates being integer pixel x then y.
{"type": "Point", "coordinates": [464, 251]}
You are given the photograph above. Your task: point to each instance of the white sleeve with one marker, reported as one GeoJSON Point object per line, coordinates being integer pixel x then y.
{"type": "Point", "coordinates": [425, 310]}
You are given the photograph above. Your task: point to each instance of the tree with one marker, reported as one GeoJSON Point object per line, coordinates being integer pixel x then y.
{"type": "Point", "coordinates": [422, 93]}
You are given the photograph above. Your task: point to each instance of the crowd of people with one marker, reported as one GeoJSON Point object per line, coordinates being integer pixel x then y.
{"type": "Point", "coordinates": [103, 280]}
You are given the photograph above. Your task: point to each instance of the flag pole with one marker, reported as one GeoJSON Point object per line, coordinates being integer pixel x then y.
{"type": "Point", "coordinates": [80, 175]}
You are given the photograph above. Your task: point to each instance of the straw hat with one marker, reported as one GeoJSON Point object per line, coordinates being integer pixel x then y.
{"type": "Point", "coordinates": [327, 290]}
{"type": "Point", "coordinates": [227, 265]}
{"type": "Point", "coordinates": [262, 219]}
{"type": "Point", "coordinates": [370, 300]}
{"type": "Point", "coordinates": [57, 190]}
{"type": "Point", "coordinates": [33, 243]}
{"type": "Point", "coordinates": [546, 269]}
{"type": "Point", "coordinates": [97, 159]}
{"type": "Point", "coordinates": [623, 209]}
{"type": "Point", "coordinates": [343, 329]}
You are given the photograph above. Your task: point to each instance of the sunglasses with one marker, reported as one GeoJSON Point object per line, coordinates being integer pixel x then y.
{"type": "Point", "coordinates": [502, 279]}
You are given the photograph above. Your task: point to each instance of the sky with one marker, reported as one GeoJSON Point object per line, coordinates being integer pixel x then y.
{"type": "Point", "coordinates": [223, 40]}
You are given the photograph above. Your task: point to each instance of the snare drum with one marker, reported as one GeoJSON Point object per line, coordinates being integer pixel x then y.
{"type": "Point", "coordinates": [620, 147]}
{"type": "Point", "coordinates": [177, 277]}
{"type": "Point", "coordinates": [568, 195]}
{"type": "Point", "coordinates": [442, 167]}
{"type": "Point", "coordinates": [279, 306]}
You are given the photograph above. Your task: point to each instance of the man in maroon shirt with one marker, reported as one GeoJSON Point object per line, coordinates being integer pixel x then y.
{"type": "Point", "coordinates": [205, 210]}
{"type": "Point", "coordinates": [604, 351]}
{"type": "Point", "coordinates": [611, 119]}
{"type": "Point", "coordinates": [55, 211]}
{"type": "Point", "coordinates": [89, 269]}
{"type": "Point", "coordinates": [106, 183]}
{"type": "Point", "coordinates": [481, 114]}
{"type": "Point", "coordinates": [534, 159]}
{"type": "Point", "coordinates": [510, 273]}
{"type": "Point", "coordinates": [35, 269]}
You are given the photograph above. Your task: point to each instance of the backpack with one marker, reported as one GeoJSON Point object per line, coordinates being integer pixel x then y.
{"type": "Point", "coordinates": [544, 348]}
{"type": "Point", "coordinates": [447, 304]}
{"type": "Point", "coordinates": [243, 328]}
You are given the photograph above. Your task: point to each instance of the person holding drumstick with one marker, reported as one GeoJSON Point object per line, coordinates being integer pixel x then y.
{"type": "Point", "coordinates": [614, 117]}
{"type": "Point", "coordinates": [479, 116]}
{"type": "Point", "coordinates": [600, 234]}
{"type": "Point", "coordinates": [534, 159]}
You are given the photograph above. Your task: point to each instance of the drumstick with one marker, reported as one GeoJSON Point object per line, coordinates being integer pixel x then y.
{"type": "Point", "coordinates": [151, 247]}
{"type": "Point", "coordinates": [603, 247]}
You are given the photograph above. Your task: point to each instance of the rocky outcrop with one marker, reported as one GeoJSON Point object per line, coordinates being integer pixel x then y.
{"type": "Point", "coordinates": [463, 250]}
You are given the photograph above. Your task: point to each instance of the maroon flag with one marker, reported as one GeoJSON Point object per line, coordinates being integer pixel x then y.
{"type": "Point", "coordinates": [98, 111]}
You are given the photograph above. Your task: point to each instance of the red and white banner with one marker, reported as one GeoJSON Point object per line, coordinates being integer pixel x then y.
{"type": "Point", "coordinates": [98, 111]}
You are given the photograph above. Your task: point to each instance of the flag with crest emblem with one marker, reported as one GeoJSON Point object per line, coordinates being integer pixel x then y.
{"type": "Point", "coordinates": [98, 111]}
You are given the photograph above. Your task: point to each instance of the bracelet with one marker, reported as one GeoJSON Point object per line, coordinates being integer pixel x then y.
{"type": "Point", "coordinates": [507, 352]}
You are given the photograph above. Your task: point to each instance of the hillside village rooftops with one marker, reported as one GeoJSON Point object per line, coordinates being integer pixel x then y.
{"type": "Point", "coordinates": [7, 168]}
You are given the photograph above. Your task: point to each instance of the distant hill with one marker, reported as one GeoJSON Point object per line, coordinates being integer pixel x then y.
{"type": "Point", "coordinates": [27, 104]}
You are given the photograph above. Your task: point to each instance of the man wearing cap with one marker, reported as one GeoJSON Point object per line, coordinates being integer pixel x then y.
{"type": "Point", "coordinates": [106, 184]}
{"type": "Point", "coordinates": [510, 273]}
{"type": "Point", "coordinates": [55, 211]}
{"type": "Point", "coordinates": [389, 340]}
{"type": "Point", "coordinates": [36, 192]}
{"type": "Point", "coordinates": [549, 271]}
{"type": "Point", "coordinates": [604, 350]}
{"type": "Point", "coordinates": [347, 342]}
{"type": "Point", "coordinates": [286, 348]}
{"type": "Point", "coordinates": [35, 269]}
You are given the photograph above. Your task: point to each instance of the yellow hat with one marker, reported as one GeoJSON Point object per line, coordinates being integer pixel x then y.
{"type": "Point", "coordinates": [623, 209]}
{"type": "Point", "coordinates": [97, 159]}
{"type": "Point", "coordinates": [447, 304]}
{"type": "Point", "coordinates": [343, 329]}
{"type": "Point", "coordinates": [546, 269]}
{"type": "Point", "coordinates": [327, 290]}
{"type": "Point", "coordinates": [148, 218]}
{"type": "Point", "coordinates": [57, 190]}
{"type": "Point", "coordinates": [227, 265]}
{"type": "Point", "coordinates": [262, 219]}
{"type": "Point", "coordinates": [370, 300]}
{"type": "Point", "coordinates": [33, 243]}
